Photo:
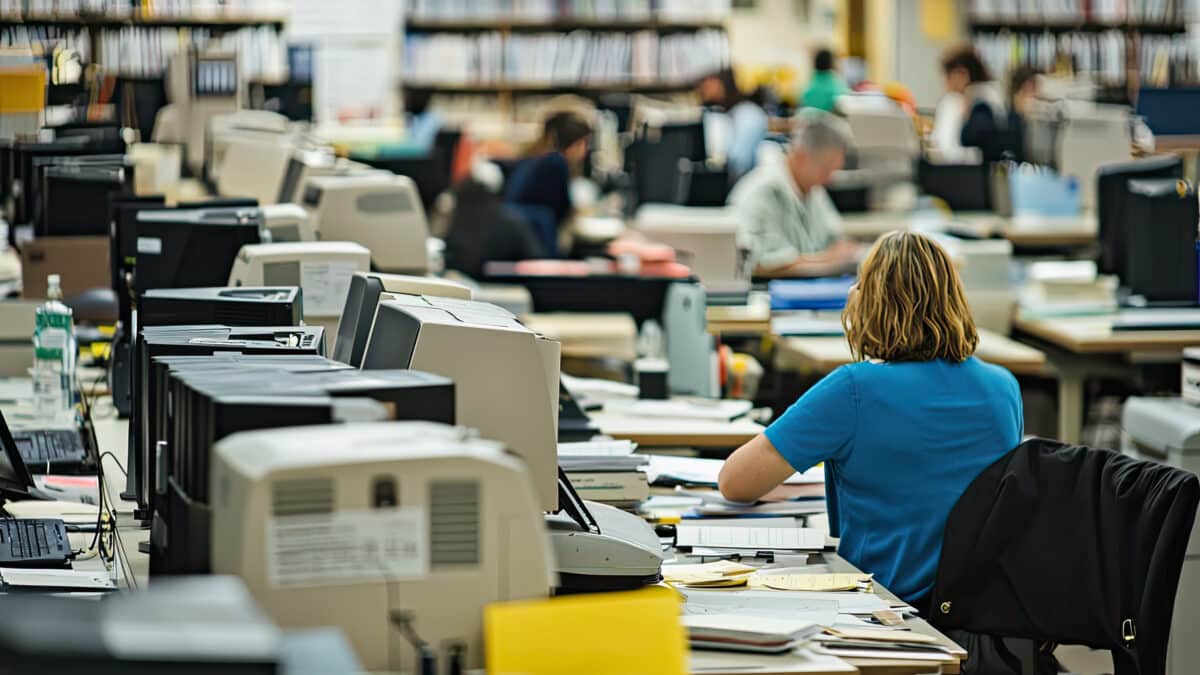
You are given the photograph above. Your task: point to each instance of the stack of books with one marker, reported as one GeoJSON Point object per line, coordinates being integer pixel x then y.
{"type": "Point", "coordinates": [606, 471]}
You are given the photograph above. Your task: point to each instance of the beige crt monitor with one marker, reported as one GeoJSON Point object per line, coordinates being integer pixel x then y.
{"type": "Point", "coordinates": [381, 211]}
{"type": "Point", "coordinates": [322, 270]}
{"type": "Point", "coordinates": [252, 167]}
{"type": "Point", "coordinates": [348, 525]}
{"type": "Point", "coordinates": [262, 127]}
{"type": "Point", "coordinates": [200, 84]}
{"type": "Point", "coordinates": [288, 223]}
{"type": "Point", "coordinates": [506, 377]}
{"type": "Point", "coordinates": [312, 162]}
{"type": "Point", "coordinates": [704, 239]}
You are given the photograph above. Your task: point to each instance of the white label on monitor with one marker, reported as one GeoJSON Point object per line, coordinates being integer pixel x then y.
{"type": "Point", "coordinates": [149, 245]}
{"type": "Point", "coordinates": [347, 547]}
{"type": "Point", "coordinates": [325, 287]}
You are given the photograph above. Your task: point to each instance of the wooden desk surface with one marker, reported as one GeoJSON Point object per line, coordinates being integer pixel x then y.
{"type": "Point", "coordinates": [825, 354]}
{"type": "Point", "coordinates": [1094, 335]}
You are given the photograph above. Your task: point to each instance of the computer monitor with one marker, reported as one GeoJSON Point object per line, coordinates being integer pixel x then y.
{"type": "Point", "coordinates": [262, 141]}
{"type": "Point", "coordinates": [75, 199]}
{"type": "Point", "coordinates": [200, 84]}
{"type": "Point", "coordinates": [15, 479]}
{"type": "Point", "coordinates": [248, 306]}
{"type": "Point", "coordinates": [191, 247]}
{"type": "Point", "coordinates": [1158, 261]}
{"type": "Point", "coordinates": [1112, 190]}
{"type": "Point", "coordinates": [704, 239]}
{"type": "Point", "coordinates": [24, 176]}
{"type": "Point", "coordinates": [380, 211]}
{"type": "Point", "coordinates": [366, 290]}
{"type": "Point", "coordinates": [37, 184]}
{"type": "Point", "coordinates": [506, 376]}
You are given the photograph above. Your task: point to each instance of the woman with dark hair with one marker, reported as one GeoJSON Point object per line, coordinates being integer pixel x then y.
{"type": "Point", "coordinates": [540, 185]}
{"type": "Point", "coordinates": [746, 120]}
{"type": "Point", "coordinates": [971, 111]}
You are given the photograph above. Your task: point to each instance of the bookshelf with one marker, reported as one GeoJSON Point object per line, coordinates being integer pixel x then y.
{"type": "Point", "coordinates": [215, 22]}
{"type": "Point", "coordinates": [509, 57]}
{"type": "Point", "coordinates": [1119, 45]}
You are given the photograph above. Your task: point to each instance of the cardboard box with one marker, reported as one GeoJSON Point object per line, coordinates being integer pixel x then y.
{"type": "Point", "coordinates": [16, 337]}
{"type": "Point", "coordinates": [82, 262]}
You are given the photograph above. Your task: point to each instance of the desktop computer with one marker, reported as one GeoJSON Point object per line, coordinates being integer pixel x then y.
{"type": "Point", "coordinates": [247, 306]}
{"type": "Point", "coordinates": [25, 179]}
{"type": "Point", "coordinates": [322, 269]}
{"type": "Point", "coordinates": [366, 290]}
{"type": "Point", "coordinates": [1112, 190]}
{"type": "Point", "coordinates": [1159, 258]}
{"type": "Point", "coordinates": [181, 248]}
{"type": "Point", "coordinates": [414, 520]}
{"type": "Point", "coordinates": [379, 210]}
{"type": "Point", "coordinates": [256, 167]}
{"type": "Point", "coordinates": [200, 85]}
{"type": "Point", "coordinates": [75, 199]}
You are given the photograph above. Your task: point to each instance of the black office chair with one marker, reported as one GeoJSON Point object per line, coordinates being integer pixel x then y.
{"type": "Point", "coordinates": [653, 160]}
{"type": "Point", "coordinates": [964, 187]}
{"type": "Point", "coordinates": [699, 184]}
{"type": "Point", "coordinates": [1061, 544]}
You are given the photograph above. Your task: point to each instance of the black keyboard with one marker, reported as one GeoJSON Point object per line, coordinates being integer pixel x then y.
{"type": "Point", "coordinates": [50, 446]}
{"type": "Point", "coordinates": [34, 542]}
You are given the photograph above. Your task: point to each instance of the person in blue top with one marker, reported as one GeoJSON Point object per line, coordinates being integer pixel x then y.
{"type": "Point", "coordinates": [540, 185]}
{"type": "Point", "coordinates": [902, 431]}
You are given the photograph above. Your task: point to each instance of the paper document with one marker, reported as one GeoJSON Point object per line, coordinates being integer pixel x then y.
{"type": "Point", "coordinates": [722, 411]}
{"type": "Point", "coordinates": [750, 538]}
{"type": "Point", "coordinates": [811, 582]}
{"type": "Point", "coordinates": [672, 470]}
{"type": "Point", "coordinates": [596, 449]}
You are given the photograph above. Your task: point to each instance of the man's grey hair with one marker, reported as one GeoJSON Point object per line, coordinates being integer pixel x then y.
{"type": "Point", "coordinates": [819, 131]}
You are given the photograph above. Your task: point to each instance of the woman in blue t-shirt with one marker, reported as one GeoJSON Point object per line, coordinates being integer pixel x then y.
{"type": "Point", "coordinates": [905, 429]}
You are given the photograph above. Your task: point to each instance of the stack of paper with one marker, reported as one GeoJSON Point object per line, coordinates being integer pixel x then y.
{"type": "Point", "coordinates": [820, 583]}
{"type": "Point", "coordinates": [724, 540]}
{"type": "Point", "coordinates": [720, 574]}
{"type": "Point", "coordinates": [1067, 288]}
{"type": "Point", "coordinates": [736, 632]}
{"type": "Point", "coordinates": [670, 470]}
{"type": "Point", "coordinates": [605, 471]}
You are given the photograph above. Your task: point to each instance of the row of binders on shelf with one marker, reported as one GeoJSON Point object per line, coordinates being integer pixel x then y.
{"type": "Point", "coordinates": [1136, 12]}
{"type": "Point", "coordinates": [564, 59]}
{"type": "Point", "coordinates": [1101, 56]}
{"type": "Point", "coordinates": [48, 39]}
{"type": "Point", "coordinates": [141, 52]}
{"type": "Point", "coordinates": [146, 9]}
{"type": "Point", "coordinates": [569, 10]}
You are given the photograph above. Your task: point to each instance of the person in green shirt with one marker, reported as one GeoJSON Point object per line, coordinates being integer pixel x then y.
{"type": "Point", "coordinates": [826, 83]}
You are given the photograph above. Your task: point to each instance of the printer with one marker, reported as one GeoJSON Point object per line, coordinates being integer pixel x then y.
{"type": "Point", "coordinates": [381, 530]}
{"type": "Point", "coordinates": [306, 163]}
{"type": "Point", "coordinates": [322, 270]}
{"type": "Point", "coordinates": [381, 211]}
{"type": "Point", "coordinates": [704, 239]}
{"type": "Point", "coordinates": [201, 84]}
{"type": "Point", "coordinates": [507, 386]}
{"type": "Point", "coordinates": [213, 397]}
{"type": "Point", "coordinates": [261, 144]}
{"type": "Point", "coordinates": [248, 306]}
{"type": "Point", "coordinates": [1167, 430]}
{"type": "Point", "coordinates": [366, 290]}
{"type": "Point", "coordinates": [287, 223]}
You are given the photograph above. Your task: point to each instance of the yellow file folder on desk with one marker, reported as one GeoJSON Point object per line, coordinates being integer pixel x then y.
{"type": "Point", "coordinates": [604, 634]}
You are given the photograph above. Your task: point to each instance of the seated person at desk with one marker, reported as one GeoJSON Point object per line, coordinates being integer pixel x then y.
{"type": "Point", "coordinates": [904, 430]}
{"type": "Point", "coordinates": [540, 185]}
{"type": "Point", "coordinates": [482, 229]}
{"type": "Point", "coordinates": [971, 114]}
{"type": "Point", "coordinates": [788, 223]}
{"type": "Point", "coordinates": [826, 83]}
{"type": "Point", "coordinates": [744, 120]}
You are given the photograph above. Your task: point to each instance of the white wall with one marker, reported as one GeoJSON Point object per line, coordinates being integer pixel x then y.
{"type": "Point", "coordinates": [898, 48]}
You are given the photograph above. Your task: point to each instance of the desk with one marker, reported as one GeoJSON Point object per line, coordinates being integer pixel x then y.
{"type": "Point", "coordinates": [729, 663]}
{"type": "Point", "coordinates": [1082, 341]}
{"type": "Point", "coordinates": [824, 354]}
{"type": "Point", "coordinates": [1023, 232]}
{"type": "Point", "coordinates": [752, 318]}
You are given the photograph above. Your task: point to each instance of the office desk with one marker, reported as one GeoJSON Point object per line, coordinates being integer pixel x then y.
{"type": "Point", "coordinates": [752, 318]}
{"type": "Point", "coordinates": [1023, 232]}
{"type": "Point", "coordinates": [731, 663]}
{"type": "Point", "coordinates": [824, 354]}
{"type": "Point", "coordinates": [1083, 342]}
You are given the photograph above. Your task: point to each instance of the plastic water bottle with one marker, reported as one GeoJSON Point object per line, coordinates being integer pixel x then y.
{"type": "Point", "coordinates": [54, 354]}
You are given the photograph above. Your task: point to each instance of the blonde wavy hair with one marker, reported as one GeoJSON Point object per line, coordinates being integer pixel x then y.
{"type": "Point", "coordinates": [909, 304]}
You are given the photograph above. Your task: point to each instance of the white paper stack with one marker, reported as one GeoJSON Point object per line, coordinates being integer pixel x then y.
{"type": "Point", "coordinates": [740, 633]}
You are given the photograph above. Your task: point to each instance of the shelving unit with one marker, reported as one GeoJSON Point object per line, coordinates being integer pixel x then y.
{"type": "Point", "coordinates": [505, 30]}
{"type": "Point", "coordinates": [221, 21]}
{"type": "Point", "coordinates": [1004, 34]}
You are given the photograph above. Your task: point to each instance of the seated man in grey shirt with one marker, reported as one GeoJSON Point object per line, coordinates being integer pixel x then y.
{"type": "Point", "coordinates": [788, 223]}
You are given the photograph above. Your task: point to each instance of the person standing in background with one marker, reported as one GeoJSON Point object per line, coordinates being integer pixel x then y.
{"type": "Point", "coordinates": [826, 83]}
{"type": "Point", "coordinates": [747, 121]}
{"type": "Point", "coordinates": [970, 110]}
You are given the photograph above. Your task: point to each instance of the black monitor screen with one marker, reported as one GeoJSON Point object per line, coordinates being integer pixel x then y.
{"type": "Point", "coordinates": [14, 475]}
{"type": "Point", "coordinates": [75, 200]}
{"type": "Point", "coordinates": [193, 248]}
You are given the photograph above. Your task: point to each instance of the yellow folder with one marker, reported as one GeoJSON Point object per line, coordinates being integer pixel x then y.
{"type": "Point", "coordinates": [628, 633]}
